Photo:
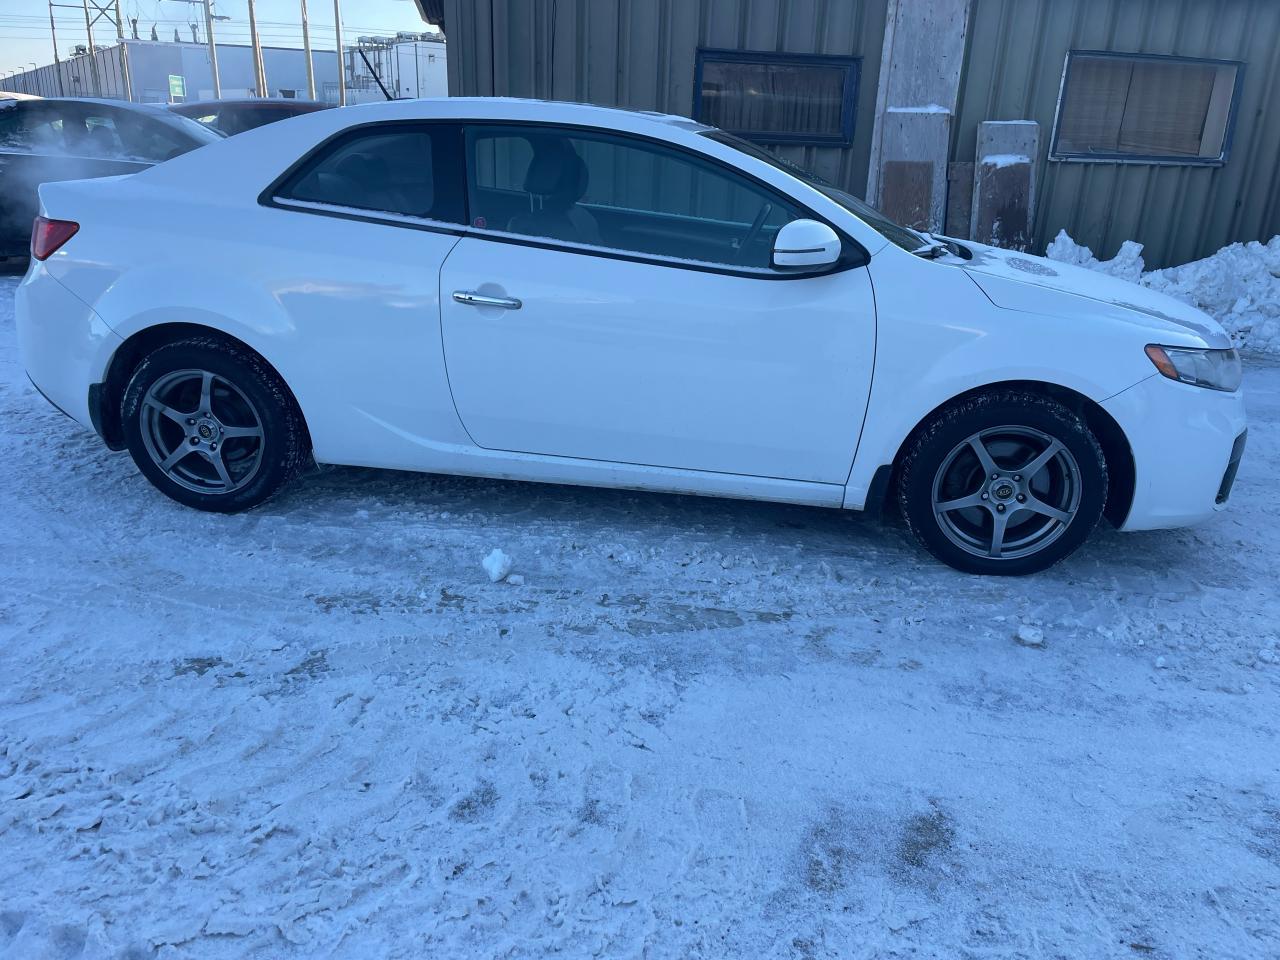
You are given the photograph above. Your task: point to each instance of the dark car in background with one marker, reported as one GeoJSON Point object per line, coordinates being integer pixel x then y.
{"type": "Point", "coordinates": [230, 117]}
{"type": "Point", "coordinates": [42, 140]}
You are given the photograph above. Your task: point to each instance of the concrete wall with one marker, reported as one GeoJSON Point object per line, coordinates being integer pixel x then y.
{"type": "Point", "coordinates": [919, 83]}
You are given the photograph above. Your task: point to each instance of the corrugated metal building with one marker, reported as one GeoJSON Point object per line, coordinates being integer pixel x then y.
{"type": "Point", "coordinates": [153, 63]}
{"type": "Point", "coordinates": [642, 55]}
{"type": "Point", "coordinates": [406, 66]}
{"type": "Point", "coordinates": [1178, 211]}
{"type": "Point", "coordinates": [1174, 147]}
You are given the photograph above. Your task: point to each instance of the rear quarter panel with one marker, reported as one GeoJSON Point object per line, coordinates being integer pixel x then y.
{"type": "Point", "coordinates": [347, 312]}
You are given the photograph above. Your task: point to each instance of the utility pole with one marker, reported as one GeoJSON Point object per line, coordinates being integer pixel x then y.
{"type": "Point", "coordinates": [125, 76]}
{"type": "Point", "coordinates": [259, 70]}
{"type": "Point", "coordinates": [57, 62]}
{"type": "Point", "coordinates": [93, 57]}
{"type": "Point", "coordinates": [342, 61]}
{"type": "Point", "coordinates": [213, 49]}
{"type": "Point", "coordinates": [306, 52]}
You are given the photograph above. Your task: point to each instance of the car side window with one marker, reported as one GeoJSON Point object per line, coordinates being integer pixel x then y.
{"type": "Point", "coordinates": [13, 130]}
{"type": "Point", "coordinates": [100, 138]}
{"type": "Point", "coordinates": [400, 170]}
{"type": "Point", "coordinates": [619, 192]}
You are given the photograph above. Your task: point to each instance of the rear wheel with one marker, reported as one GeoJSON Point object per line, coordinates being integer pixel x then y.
{"type": "Point", "coordinates": [1004, 483]}
{"type": "Point", "coordinates": [212, 426]}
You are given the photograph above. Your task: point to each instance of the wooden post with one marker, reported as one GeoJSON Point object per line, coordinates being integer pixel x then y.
{"type": "Point", "coordinates": [1004, 183]}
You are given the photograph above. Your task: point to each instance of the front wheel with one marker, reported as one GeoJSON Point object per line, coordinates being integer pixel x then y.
{"type": "Point", "coordinates": [212, 426]}
{"type": "Point", "coordinates": [1003, 483]}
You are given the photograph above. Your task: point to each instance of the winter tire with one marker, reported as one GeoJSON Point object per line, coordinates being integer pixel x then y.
{"type": "Point", "coordinates": [212, 426]}
{"type": "Point", "coordinates": [1006, 482]}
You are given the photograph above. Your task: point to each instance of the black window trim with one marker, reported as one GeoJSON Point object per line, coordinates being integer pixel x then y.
{"type": "Point", "coordinates": [268, 197]}
{"type": "Point", "coordinates": [1164, 160]}
{"type": "Point", "coordinates": [853, 254]}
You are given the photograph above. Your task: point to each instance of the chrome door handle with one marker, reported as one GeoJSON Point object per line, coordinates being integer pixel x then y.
{"type": "Point", "coordinates": [480, 300]}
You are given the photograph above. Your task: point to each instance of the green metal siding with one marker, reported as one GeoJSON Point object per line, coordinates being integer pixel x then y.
{"type": "Point", "coordinates": [1013, 71]}
{"type": "Point", "coordinates": [640, 54]}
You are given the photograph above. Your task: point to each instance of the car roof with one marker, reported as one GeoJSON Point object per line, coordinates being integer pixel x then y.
{"type": "Point", "coordinates": [109, 102]}
{"type": "Point", "coordinates": [517, 109]}
{"type": "Point", "coordinates": [252, 102]}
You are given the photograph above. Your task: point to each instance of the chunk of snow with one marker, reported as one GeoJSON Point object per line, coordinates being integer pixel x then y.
{"type": "Point", "coordinates": [1030, 636]}
{"type": "Point", "coordinates": [1159, 663]}
{"type": "Point", "coordinates": [1005, 159]}
{"type": "Point", "coordinates": [926, 108]}
{"type": "Point", "coordinates": [497, 565]}
{"type": "Point", "coordinates": [1239, 286]}
{"type": "Point", "coordinates": [515, 580]}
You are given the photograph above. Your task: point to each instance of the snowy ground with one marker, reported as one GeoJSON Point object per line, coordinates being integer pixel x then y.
{"type": "Point", "coordinates": [700, 728]}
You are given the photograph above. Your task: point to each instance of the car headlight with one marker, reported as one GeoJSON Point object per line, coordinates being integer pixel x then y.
{"type": "Point", "coordinates": [1214, 369]}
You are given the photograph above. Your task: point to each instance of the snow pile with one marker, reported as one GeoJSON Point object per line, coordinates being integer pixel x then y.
{"type": "Point", "coordinates": [1126, 264]}
{"type": "Point", "coordinates": [1239, 285]}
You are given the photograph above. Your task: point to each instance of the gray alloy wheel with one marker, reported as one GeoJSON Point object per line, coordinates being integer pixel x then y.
{"type": "Point", "coordinates": [1006, 492]}
{"type": "Point", "coordinates": [201, 431]}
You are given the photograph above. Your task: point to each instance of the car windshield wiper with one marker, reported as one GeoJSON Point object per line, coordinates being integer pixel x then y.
{"type": "Point", "coordinates": [932, 248]}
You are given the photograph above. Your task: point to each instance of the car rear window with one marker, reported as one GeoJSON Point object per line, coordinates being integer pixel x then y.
{"type": "Point", "coordinates": [384, 169]}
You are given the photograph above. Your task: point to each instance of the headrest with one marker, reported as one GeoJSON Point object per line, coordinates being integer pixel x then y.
{"type": "Point", "coordinates": [556, 171]}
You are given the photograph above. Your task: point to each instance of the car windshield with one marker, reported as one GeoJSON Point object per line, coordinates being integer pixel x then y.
{"type": "Point", "coordinates": [903, 237]}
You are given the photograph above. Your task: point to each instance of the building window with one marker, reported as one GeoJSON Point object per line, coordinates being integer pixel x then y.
{"type": "Point", "coordinates": [1145, 109]}
{"type": "Point", "coordinates": [777, 97]}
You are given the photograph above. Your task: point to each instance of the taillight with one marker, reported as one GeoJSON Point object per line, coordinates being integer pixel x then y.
{"type": "Point", "coordinates": [48, 235]}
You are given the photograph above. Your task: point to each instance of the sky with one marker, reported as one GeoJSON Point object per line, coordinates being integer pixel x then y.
{"type": "Point", "coordinates": [24, 24]}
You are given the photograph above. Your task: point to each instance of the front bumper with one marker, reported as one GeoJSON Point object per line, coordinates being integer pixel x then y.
{"type": "Point", "coordinates": [65, 346]}
{"type": "Point", "coordinates": [1186, 443]}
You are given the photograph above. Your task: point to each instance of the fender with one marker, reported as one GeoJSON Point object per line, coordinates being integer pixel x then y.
{"type": "Point", "coordinates": [941, 335]}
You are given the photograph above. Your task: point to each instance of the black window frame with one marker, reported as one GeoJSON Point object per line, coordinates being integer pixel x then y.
{"type": "Point", "coordinates": [849, 96]}
{"type": "Point", "coordinates": [452, 177]}
{"type": "Point", "coordinates": [1058, 156]}
{"type": "Point", "coordinates": [853, 254]}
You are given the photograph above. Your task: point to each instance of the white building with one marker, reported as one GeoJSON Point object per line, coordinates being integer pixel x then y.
{"type": "Point", "coordinates": [166, 72]}
{"type": "Point", "coordinates": [409, 65]}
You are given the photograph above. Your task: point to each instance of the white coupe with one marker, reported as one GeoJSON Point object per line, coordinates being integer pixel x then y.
{"type": "Point", "coordinates": [572, 294]}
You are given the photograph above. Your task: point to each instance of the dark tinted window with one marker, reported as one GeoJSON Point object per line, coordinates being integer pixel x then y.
{"type": "Point", "coordinates": [778, 97]}
{"type": "Point", "coordinates": [619, 192]}
{"type": "Point", "coordinates": [98, 131]}
{"type": "Point", "coordinates": [902, 236]}
{"type": "Point", "coordinates": [13, 133]}
{"type": "Point", "coordinates": [402, 170]}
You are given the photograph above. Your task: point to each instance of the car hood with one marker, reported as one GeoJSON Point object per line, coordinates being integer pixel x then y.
{"type": "Point", "coordinates": [1010, 280]}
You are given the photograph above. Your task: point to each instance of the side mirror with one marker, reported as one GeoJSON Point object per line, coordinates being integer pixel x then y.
{"type": "Point", "coordinates": [805, 244]}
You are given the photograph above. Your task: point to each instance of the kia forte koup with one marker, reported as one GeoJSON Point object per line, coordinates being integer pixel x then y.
{"type": "Point", "coordinates": [572, 294]}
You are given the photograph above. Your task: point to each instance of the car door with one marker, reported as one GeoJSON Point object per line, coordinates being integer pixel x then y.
{"type": "Point", "coordinates": [351, 244]}
{"type": "Point", "coordinates": [613, 300]}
